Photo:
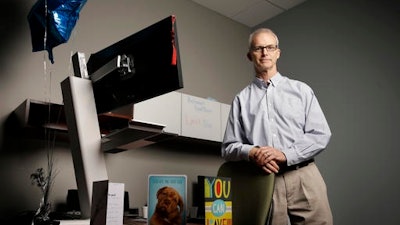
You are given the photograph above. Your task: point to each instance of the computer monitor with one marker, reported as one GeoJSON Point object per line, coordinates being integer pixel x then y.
{"type": "Point", "coordinates": [139, 67]}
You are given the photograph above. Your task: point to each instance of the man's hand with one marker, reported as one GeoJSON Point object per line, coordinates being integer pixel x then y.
{"type": "Point", "coordinates": [268, 158]}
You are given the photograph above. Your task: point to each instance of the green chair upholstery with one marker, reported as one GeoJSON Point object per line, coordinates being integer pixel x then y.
{"type": "Point", "coordinates": [252, 191]}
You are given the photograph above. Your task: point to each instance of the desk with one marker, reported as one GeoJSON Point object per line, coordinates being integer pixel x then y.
{"type": "Point", "coordinates": [75, 222]}
{"type": "Point", "coordinates": [140, 221]}
{"type": "Point", "coordinates": [127, 221]}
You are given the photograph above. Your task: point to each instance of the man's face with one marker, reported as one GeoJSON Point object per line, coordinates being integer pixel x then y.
{"type": "Point", "coordinates": [264, 52]}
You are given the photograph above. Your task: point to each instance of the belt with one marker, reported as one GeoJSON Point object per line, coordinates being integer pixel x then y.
{"type": "Point", "coordinates": [284, 169]}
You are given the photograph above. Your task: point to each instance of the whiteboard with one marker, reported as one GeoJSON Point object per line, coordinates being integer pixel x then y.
{"type": "Point", "coordinates": [225, 108]}
{"type": "Point", "coordinates": [164, 109]}
{"type": "Point", "coordinates": [201, 118]}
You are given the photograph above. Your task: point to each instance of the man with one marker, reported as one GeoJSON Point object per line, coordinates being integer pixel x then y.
{"type": "Point", "coordinates": [277, 123]}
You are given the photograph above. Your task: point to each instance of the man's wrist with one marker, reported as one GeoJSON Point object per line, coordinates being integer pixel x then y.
{"type": "Point", "coordinates": [252, 153]}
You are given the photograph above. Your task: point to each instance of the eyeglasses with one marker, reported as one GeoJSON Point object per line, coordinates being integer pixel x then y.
{"type": "Point", "coordinates": [269, 48]}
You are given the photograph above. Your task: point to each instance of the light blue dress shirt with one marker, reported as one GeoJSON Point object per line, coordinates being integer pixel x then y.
{"type": "Point", "coordinates": [284, 114]}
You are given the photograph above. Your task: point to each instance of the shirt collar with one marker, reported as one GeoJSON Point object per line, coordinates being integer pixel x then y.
{"type": "Point", "coordinates": [274, 81]}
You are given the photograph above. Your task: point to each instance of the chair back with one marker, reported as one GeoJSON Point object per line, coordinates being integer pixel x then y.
{"type": "Point", "coordinates": [252, 191]}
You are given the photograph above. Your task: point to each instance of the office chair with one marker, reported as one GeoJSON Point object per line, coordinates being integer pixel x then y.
{"type": "Point", "coordinates": [252, 191]}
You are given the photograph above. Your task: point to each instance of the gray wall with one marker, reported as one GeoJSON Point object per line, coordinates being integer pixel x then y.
{"type": "Point", "coordinates": [213, 50]}
{"type": "Point", "coordinates": [348, 51]}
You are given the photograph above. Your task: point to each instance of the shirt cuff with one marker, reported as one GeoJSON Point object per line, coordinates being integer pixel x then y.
{"type": "Point", "coordinates": [246, 152]}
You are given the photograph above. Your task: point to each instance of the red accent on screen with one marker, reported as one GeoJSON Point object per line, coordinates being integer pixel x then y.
{"type": "Point", "coordinates": [173, 62]}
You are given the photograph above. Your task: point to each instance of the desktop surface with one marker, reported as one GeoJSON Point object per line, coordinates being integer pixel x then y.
{"type": "Point", "coordinates": [127, 221]}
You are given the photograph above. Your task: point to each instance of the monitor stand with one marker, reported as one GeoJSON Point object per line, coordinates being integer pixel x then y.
{"type": "Point", "coordinates": [85, 138]}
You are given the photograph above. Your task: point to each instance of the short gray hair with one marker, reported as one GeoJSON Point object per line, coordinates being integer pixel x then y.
{"type": "Point", "coordinates": [262, 30]}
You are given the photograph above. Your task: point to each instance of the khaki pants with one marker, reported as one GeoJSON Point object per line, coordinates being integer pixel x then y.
{"type": "Point", "coordinates": [301, 196]}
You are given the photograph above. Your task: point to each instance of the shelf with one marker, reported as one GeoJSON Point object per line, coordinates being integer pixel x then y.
{"type": "Point", "coordinates": [39, 114]}
{"type": "Point", "coordinates": [119, 132]}
{"type": "Point", "coordinates": [136, 134]}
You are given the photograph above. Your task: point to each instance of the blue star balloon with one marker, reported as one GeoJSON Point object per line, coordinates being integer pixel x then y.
{"type": "Point", "coordinates": [51, 23]}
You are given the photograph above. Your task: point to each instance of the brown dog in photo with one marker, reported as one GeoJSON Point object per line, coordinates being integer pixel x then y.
{"type": "Point", "coordinates": [169, 207]}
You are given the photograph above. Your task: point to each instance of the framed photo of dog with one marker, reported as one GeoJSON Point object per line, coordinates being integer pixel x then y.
{"type": "Point", "coordinates": [167, 199]}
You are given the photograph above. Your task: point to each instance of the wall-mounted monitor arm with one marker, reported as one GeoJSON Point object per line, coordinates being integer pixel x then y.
{"type": "Point", "coordinates": [85, 138]}
{"type": "Point", "coordinates": [123, 65]}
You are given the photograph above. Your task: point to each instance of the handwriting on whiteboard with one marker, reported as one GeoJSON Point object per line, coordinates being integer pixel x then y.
{"type": "Point", "coordinates": [198, 113]}
{"type": "Point", "coordinates": [201, 118]}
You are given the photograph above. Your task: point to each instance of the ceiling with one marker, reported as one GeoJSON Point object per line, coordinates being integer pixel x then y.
{"type": "Point", "coordinates": [249, 12]}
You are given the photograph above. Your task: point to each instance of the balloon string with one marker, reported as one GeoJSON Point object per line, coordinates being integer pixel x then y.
{"type": "Point", "coordinates": [47, 84]}
{"type": "Point", "coordinates": [44, 53]}
{"type": "Point", "coordinates": [45, 25]}
{"type": "Point", "coordinates": [47, 81]}
{"type": "Point", "coordinates": [50, 141]}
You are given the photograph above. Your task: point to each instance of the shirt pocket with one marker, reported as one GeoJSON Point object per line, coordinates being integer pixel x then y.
{"type": "Point", "coordinates": [290, 111]}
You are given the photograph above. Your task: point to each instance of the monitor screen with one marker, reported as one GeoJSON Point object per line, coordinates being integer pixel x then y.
{"type": "Point", "coordinates": [152, 55]}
